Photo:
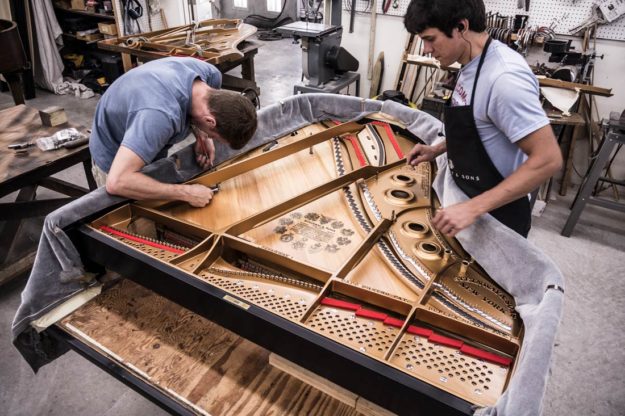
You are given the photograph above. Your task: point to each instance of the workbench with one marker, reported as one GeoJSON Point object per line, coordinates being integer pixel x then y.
{"type": "Point", "coordinates": [26, 171]}
{"type": "Point", "coordinates": [247, 80]}
{"type": "Point", "coordinates": [567, 130]}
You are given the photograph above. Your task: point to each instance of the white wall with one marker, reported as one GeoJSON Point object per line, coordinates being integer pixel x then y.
{"type": "Point", "coordinates": [391, 38]}
{"type": "Point", "coordinates": [175, 12]}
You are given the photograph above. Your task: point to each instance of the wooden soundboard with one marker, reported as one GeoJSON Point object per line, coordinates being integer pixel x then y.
{"type": "Point", "coordinates": [323, 242]}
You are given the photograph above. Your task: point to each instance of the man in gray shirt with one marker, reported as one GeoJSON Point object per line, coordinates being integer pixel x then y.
{"type": "Point", "coordinates": [152, 107]}
{"type": "Point", "coordinates": [499, 143]}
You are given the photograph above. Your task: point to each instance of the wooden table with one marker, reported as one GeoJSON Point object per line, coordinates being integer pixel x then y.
{"type": "Point", "coordinates": [247, 80]}
{"type": "Point", "coordinates": [576, 123]}
{"type": "Point", "coordinates": [24, 173]}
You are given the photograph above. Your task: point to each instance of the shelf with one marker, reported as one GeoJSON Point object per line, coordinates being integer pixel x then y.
{"type": "Point", "coordinates": [88, 42]}
{"type": "Point", "coordinates": [85, 13]}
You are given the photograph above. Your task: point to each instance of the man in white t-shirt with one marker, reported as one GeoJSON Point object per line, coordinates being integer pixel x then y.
{"type": "Point", "coordinates": [498, 140]}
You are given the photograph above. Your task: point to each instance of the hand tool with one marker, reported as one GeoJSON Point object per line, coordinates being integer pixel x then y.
{"type": "Point", "coordinates": [23, 145]}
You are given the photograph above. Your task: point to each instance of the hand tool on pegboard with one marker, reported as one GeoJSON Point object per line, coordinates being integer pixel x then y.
{"type": "Point", "coordinates": [352, 16]}
{"type": "Point", "coordinates": [386, 4]}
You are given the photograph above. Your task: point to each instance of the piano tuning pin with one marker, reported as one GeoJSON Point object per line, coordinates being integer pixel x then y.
{"type": "Point", "coordinates": [464, 266]}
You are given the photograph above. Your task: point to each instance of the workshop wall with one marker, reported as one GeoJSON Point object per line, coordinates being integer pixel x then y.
{"type": "Point", "coordinates": [228, 10]}
{"type": "Point", "coordinates": [176, 12]}
{"type": "Point", "coordinates": [391, 38]}
{"type": "Point", "coordinates": [5, 10]}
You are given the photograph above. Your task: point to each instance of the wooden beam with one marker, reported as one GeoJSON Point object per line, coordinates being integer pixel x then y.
{"type": "Point", "coordinates": [588, 89]}
{"type": "Point", "coordinates": [333, 390]}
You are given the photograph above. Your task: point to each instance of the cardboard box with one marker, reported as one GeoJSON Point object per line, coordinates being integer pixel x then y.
{"type": "Point", "coordinates": [78, 4]}
{"type": "Point", "coordinates": [107, 28]}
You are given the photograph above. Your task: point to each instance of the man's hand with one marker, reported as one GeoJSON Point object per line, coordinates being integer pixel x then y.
{"type": "Point", "coordinates": [453, 219]}
{"type": "Point", "coordinates": [197, 195]}
{"type": "Point", "coordinates": [424, 153]}
{"type": "Point", "coordinates": [204, 149]}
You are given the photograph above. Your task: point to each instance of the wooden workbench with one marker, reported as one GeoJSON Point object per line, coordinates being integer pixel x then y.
{"type": "Point", "coordinates": [25, 172]}
{"type": "Point", "coordinates": [247, 80]}
{"type": "Point", "coordinates": [568, 129]}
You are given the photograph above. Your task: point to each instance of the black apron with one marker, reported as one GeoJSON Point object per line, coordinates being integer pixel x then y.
{"type": "Point", "coordinates": [471, 167]}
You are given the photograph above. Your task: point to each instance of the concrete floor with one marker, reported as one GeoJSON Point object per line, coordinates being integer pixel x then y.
{"type": "Point", "coordinates": [587, 372]}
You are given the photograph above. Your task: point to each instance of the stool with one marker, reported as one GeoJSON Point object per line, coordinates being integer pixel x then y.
{"type": "Point", "coordinates": [614, 137]}
{"type": "Point", "coordinates": [332, 87]}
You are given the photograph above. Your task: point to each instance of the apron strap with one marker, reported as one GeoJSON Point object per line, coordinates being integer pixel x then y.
{"type": "Point", "coordinates": [479, 69]}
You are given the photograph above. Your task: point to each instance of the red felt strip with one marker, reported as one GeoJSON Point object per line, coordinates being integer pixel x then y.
{"type": "Point", "coordinates": [398, 323]}
{"type": "Point", "coordinates": [485, 355]}
{"type": "Point", "coordinates": [366, 313]}
{"type": "Point", "coordinates": [417, 330]}
{"type": "Point", "coordinates": [340, 304]}
{"type": "Point", "coordinates": [450, 342]}
{"type": "Point", "coordinates": [356, 145]}
{"type": "Point", "coordinates": [140, 240]}
{"type": "Point", "coordinates": [391, 137]}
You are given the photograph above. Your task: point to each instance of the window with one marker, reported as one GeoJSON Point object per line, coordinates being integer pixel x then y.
{"type": "Point", "coordinates": [274, 6]}
{"type": "Point", "coordinates": [240, 3]}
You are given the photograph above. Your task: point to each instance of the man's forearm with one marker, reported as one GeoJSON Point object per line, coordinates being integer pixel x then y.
{"type": "Point", "coordinates": [136, 185]}
{"type": "Point", "coordinates": [440, 148]}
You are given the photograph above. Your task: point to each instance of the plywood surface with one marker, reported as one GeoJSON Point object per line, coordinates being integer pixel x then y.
{"type": "Point", "coordinates": [206, 367]}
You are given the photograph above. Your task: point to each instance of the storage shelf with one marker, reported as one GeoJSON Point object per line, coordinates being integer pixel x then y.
{"type": "Point", "coordinates": [88, 42]}
{"type": "Point", "coordinates": [85, 13]}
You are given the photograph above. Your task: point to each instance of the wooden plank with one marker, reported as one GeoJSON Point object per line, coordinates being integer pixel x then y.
{"type": "Point", "coordinates": [195, 362]}
{"type": "Point", "coordinates": [63, 187]}
{"type": "Point", "coordinates": [339, 393]}
{"type": "Point", "coordinates": [21, 266]}
{"type": "Point", "coordinates": [557, 118]}
{"type": "Point", "coordinates": [589, 89]}
{"type": "Point", "coordinates": [312, 379]}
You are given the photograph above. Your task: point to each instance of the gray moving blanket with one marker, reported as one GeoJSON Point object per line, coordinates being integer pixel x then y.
{"type": "Point", "coordinates": [513, 262]}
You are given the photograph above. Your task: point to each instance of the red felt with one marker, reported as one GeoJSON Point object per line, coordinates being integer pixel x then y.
{"type": "Point", "coordinates": [359, 154]}
{"type": "Point", "coordinates": [356, 145]}
{"type": "Point", "coordinates": [450, 342]}
{"type": "Point", "coordinates": [398, 323]}
{"type": "Point", "coordinates": [417, 330]}
{"type": "Point", "coordinates": [366, 313]}
{"type": "Point", "coordinates": [139, 240]}
{"type": "Point", "coordinates": [485, 355]}
{"type": "Point", "coordinates": [391, 137]}
{"type": "Point", "coordinates": [340, 304]}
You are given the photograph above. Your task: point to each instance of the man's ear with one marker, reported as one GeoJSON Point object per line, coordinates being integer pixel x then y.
{"type": "Point", "coordinates": [210, 121]}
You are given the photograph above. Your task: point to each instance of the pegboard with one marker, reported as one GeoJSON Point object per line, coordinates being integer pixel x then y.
{"type": "Point", "coordinates": [148, 22]}
{"type": "Point", "coordinates": [563, 14]}
{"type": "Point", "coordinates": [364, 6]}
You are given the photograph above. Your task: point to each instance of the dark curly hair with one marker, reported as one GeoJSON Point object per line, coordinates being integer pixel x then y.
{"type": "Point", "coordinates": [445, 15]}
{"type": "Point", "coordinates": [235, 117]}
